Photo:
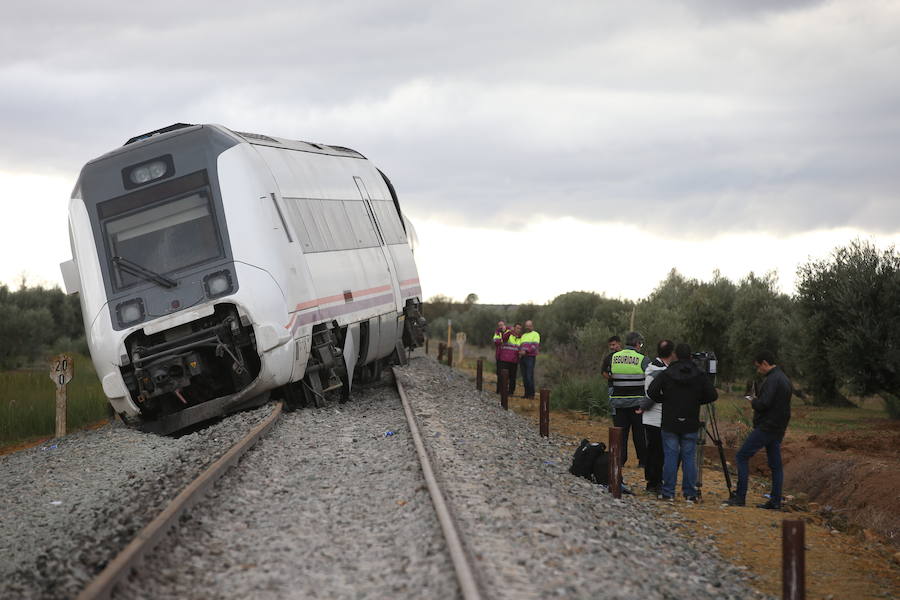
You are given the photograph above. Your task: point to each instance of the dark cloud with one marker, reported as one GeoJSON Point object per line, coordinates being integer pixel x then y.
{"type": "Point", "coordinates": [782, 117]}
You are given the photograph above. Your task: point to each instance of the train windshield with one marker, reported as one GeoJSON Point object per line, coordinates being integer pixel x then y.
{"type": "Point", "coordinates": [162, 238]}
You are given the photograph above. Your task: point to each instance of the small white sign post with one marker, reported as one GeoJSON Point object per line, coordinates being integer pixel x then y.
{"type": "Point", "coordinates": [62, 369]}
{"type": "Point", "coordinates": [461, 344]}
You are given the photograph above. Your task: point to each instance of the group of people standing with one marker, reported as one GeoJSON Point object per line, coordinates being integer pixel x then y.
{"type": "Point", "coordinates": [658, 401]}
{"type": "Point", "coordinates": [514, 347]}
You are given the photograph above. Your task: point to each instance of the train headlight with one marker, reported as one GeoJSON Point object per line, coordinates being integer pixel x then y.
{"type": "Point", "coordinates": [143, 173]}
{"type": "Point", "coordinates": [218, 284]}
{"type": "Point", "coordinates": [130, 312]}
{"type": "Point", "coordinates": [149, 172]}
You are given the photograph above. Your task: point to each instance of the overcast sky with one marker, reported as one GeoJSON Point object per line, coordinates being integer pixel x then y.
{"type": "Point", "coordinates": [538, 148]}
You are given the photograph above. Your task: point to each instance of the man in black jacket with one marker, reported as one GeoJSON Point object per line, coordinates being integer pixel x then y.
{"type": "Point", "coordinates": [771, 414]}
{"type": "Point", "coordinates": [681, 389]}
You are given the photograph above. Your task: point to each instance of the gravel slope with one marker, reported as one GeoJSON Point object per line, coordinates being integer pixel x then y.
{"type": "Point", "coordinates": [67, 507]}
{"type": "Point", "coordinates": [538, 531]}
{"type": "Point", "coordinates": [326, 506]}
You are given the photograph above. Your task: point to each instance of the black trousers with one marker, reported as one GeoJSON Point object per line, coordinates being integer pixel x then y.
{"type": "Point", "coordinates": [653, 461]}
{"type": "Point", "coordinates": [512, 368]}
{"type": "Point", "coordinates": [628, 419]}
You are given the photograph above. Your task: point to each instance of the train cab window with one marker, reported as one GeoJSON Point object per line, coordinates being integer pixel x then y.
{"type": "Point", "coordinates": [165, 237]}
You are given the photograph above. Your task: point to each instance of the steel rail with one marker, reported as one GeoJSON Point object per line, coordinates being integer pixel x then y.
{"type": "Point", "coordinates": [148, 537]}
{"type": "Point", "coordinates": [465, 574]}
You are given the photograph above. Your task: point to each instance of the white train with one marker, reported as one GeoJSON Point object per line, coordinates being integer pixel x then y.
{"type": "Point", "coordinates": [216, 267]}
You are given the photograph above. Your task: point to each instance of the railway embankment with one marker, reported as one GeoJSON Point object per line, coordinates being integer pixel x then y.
{"type": "Point", "coordinates": [331, 504]}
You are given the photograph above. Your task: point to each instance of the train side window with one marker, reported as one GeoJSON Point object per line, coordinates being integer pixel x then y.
{"type": "Point", "coordinates": [333, 223]}
{"type": "Point", "coordinates": [308, 211]}
{"type": "Point", "coordinates": [296, 219]}
{"type": "Point", "coordinates": [390, 223]}
{"type": "Point", "coordinates": [362, 225]}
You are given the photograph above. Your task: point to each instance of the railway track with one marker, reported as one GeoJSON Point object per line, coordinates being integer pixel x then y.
{"type": "Point", "coordinates": [141, 549]}
{"type": "Point", "coordinates": [148, 537]}
{"type": "Point", "coordinates": [333, 502]}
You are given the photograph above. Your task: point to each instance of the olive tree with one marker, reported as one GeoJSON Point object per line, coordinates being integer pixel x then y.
{"type": "Point", "coordinates": [851, 306]}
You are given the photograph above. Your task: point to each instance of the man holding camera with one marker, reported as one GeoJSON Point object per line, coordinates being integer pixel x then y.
{"type": "Point", "coordinates": [771, 414]}
{"type": "Point", "coordinates": [681, 389]}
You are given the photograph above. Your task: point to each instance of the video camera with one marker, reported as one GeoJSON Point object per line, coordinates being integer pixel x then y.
{"type": "Point", "coordinates": [707, 362]}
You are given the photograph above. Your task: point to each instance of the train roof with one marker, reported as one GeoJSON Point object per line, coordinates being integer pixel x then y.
{"type": "Point", "coordinates": [257, 139]}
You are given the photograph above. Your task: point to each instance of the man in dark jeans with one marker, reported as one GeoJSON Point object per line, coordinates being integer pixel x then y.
{"type": "Point", "coordinates": [771, 414]}
{"type": "Point", "coordinates": [681, 389]}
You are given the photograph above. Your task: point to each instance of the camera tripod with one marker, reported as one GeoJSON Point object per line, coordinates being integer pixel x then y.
{"type": "Point", "coordinates": [711, 428]}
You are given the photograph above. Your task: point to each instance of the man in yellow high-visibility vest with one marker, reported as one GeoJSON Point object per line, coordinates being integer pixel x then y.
{"type": "Point", "coordinates": [528, 351]}
{"type": "Point", "coordinates": [627, 379]}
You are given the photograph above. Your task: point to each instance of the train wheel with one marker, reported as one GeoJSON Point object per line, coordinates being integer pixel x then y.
{"type": "Point", "coordinates": [312, 390]}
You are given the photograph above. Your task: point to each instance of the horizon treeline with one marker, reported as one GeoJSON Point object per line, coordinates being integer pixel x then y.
{"type": "Point", "coordinates": [837, 336]}
{"type": "Point", "coordinates": [37, 322]}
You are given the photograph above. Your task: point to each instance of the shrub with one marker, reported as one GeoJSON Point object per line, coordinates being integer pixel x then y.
{"type": "Point", "coordinates": [585, 394]}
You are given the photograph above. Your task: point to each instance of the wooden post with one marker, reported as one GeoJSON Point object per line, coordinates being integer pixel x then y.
{"type": "Point", "coordinates": [479, 374]}
{"type": "Point", "coordinates": [545, 412]}
{"type": "Point", "coordinates": [615, 461]}
{"type": "Point", "coordinates": [793, 560]}
{"type": "Point", "coordinates": [426, 346]}
{"type": "Point", "coordinates": [449, 329]}
{"type": "Point", "coordinates": [450, 356]}
{"type": "Point", "coordinates": [504, 389]}
{"type": "Point", "coordinates": [62, 369]}
{"type": "Point", "coordinates": [441, 352]}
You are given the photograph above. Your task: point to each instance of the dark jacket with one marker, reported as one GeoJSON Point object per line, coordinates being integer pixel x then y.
{"type": "Point", "coordinates": [772, 408]}
{"type": "Point", "coordinates": [681, 389]}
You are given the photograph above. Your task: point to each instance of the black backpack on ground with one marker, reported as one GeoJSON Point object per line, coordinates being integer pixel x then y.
{"type": "Point", "coordinates": [591, 461]}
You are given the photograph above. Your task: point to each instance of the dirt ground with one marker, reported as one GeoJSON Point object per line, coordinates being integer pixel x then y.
{"type": "Point", "coordinates": [844, 485]}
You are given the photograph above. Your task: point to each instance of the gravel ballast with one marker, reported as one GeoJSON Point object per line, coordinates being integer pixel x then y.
{"type": "Point", "coordinates": [68, 506]}
{"type": "Point", "coordinates": [325, 506]}
{"type": "Point", "coordinates": [537, 531]}
{"type": "Point", "coordinates": [331, 503]}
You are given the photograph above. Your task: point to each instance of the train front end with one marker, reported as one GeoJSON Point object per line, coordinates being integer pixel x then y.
{"type": "Point", "coordinates": [172, 326]}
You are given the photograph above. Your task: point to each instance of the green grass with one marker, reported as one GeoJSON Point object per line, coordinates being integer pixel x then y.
{"type": "Point", "coordinates": [28, 402]}
{"type": "Point", "coordinates": [586, 394]}
{"type": "Point", "coordinates": [734, 408]}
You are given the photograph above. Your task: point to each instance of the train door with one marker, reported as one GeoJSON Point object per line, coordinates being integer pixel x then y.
{"type": "Point", "coordinates": [388, 259]}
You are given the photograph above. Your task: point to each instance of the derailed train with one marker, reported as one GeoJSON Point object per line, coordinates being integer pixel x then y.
{"type": "Point", "coordinates": [216, 267]}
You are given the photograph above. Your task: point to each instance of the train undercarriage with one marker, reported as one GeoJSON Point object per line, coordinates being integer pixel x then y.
{"type": "Point", "coordinates": [206, 369]}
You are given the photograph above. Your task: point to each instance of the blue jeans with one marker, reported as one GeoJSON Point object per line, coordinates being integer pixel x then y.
{"type": "Point", "coordinates": [526, 363]}
{"type": "Point", "coordinates": [683, 446]}
{"type": "Point", "coordinates": [772, 443]}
